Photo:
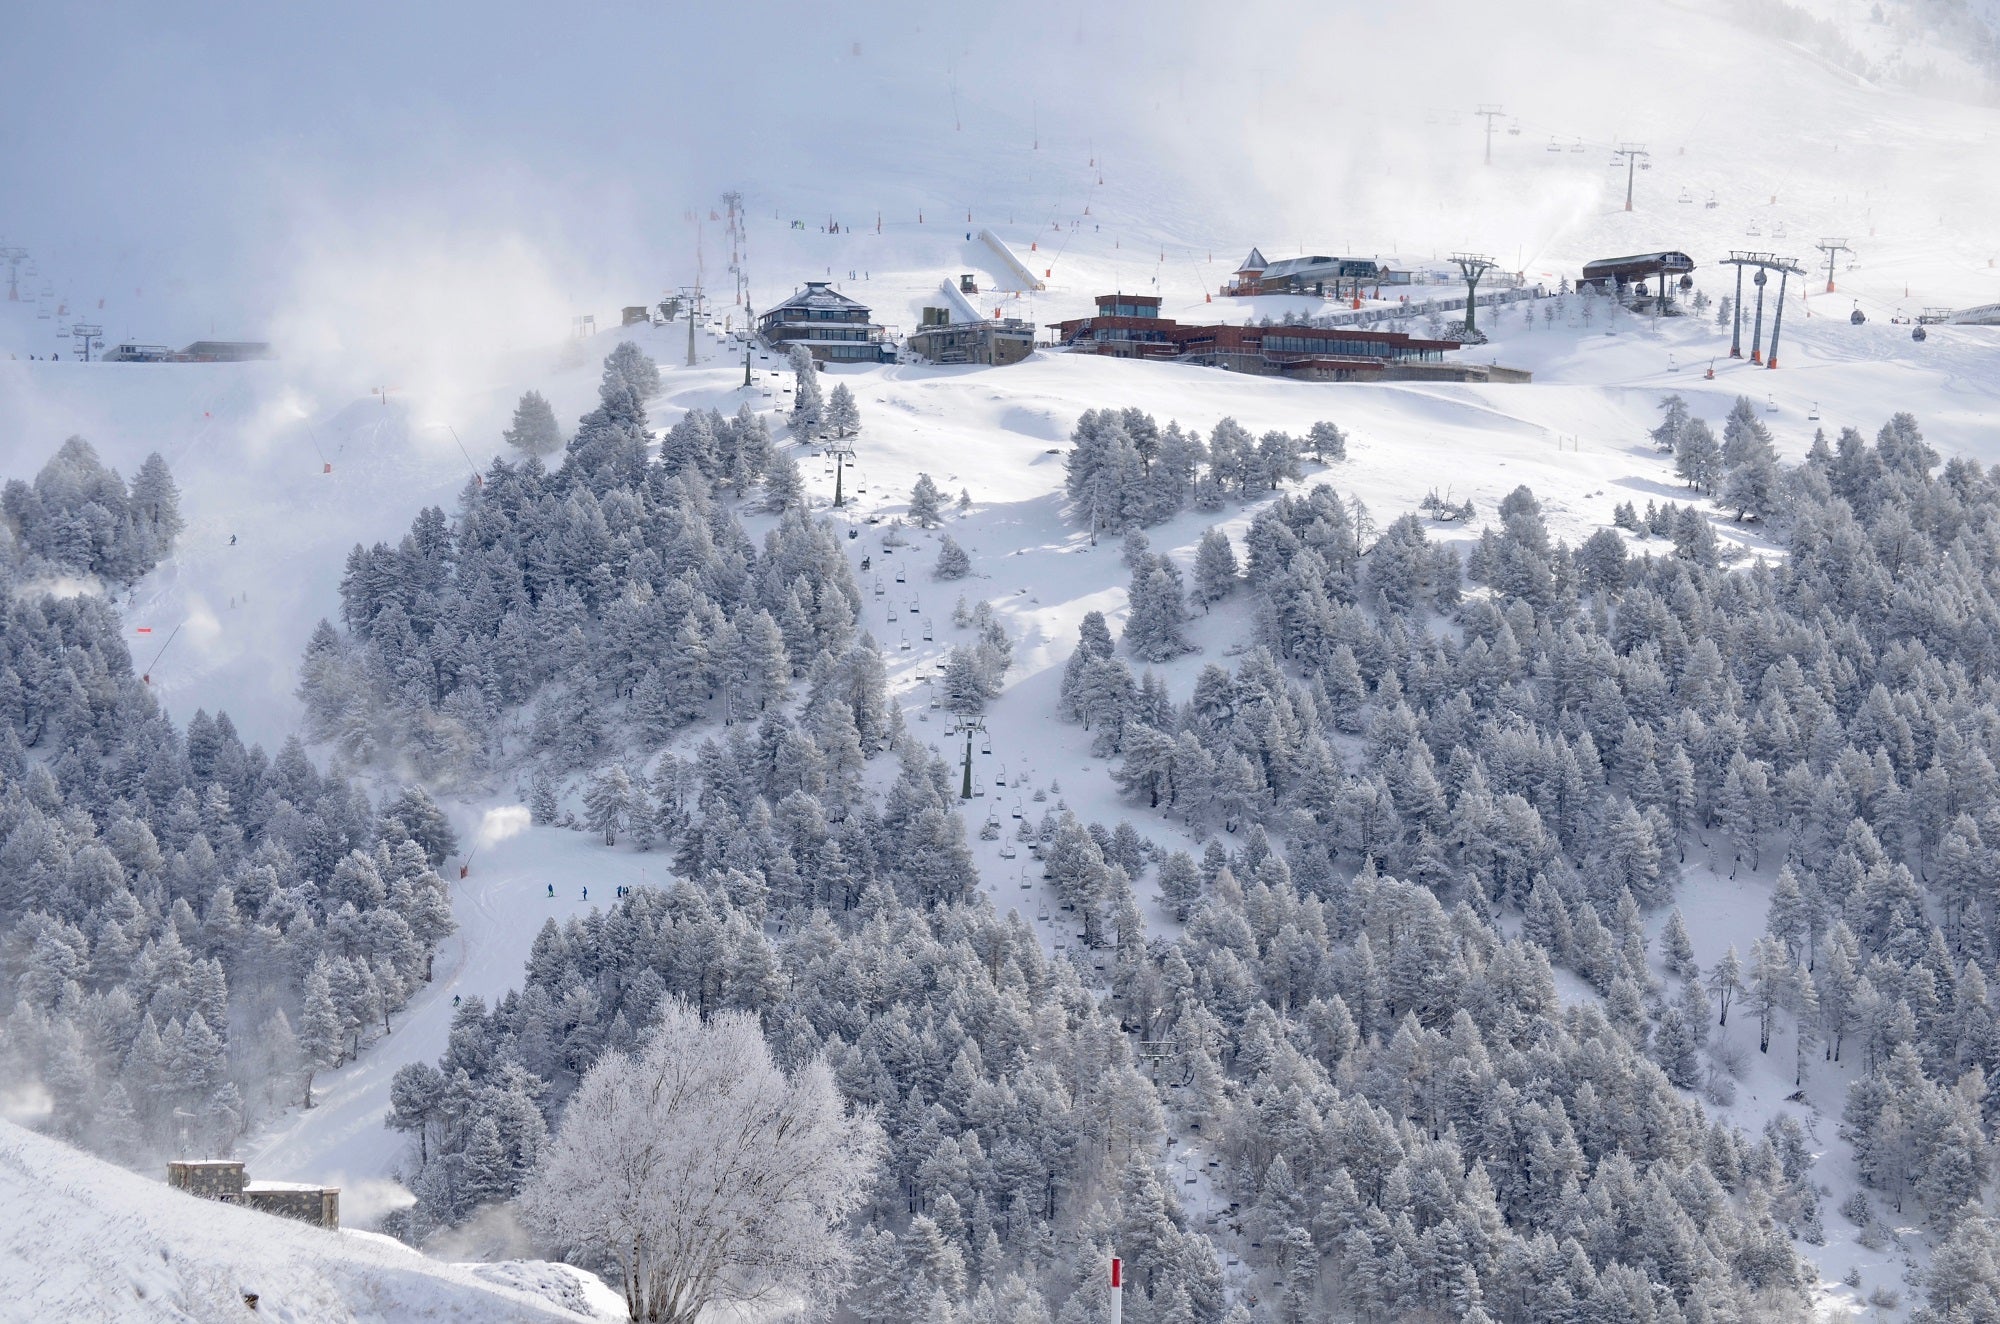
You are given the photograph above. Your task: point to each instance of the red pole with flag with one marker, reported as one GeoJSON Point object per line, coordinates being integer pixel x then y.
{"type": "Point", "coordinates": [1117, 1290]}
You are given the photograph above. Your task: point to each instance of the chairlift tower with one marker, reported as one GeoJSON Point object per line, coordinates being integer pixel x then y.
{"type": "Point", "coordinates": [1833, 248]}
{"type": "Point", "coordinates": [841, 451]}
{"type": "Point", "coordinates": [13, 257]}
{"type": "Point", "coordinates": [1489, 113]}
{"type": "Point", "coordinates": [691, 300]}
{"type": "Point", "coordinates": [972, 725]}
{"type": "Point", "coordinates": [1765, 263]}
{"type": "Point", "coordinates": [85, 333]}
{"type": "Point", "coordinates": [1631, 152]}
{"type": "Point", "coordinates": [1472, 266]}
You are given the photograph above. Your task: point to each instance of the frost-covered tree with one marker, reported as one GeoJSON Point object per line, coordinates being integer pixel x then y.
{"type": "Point", "coordinates": [1215, 569]}
{"type": "Point", "coordinates": [1156, 627]}
{"type": "Point", "coordinates": [1697, 456]}
{"type": "Point", "coordinates": [702, 1175]}
{"type": "Point", "coordinates": [630, 365]}
{"type": "Point", "coordinates": [607, 802]}
{"type": "Point", "coordinates": [843, 415]}
{"type": "Point", "coordinates": [808, 405]}
{"type": "Point", "coordinates": [952, 562]}
{"type": "Point", "coordinates": [926, 503]}
{"type": "Point", "coordinates": [534, 430]}
{"type": "Point", "coordinates": [1327, 441]}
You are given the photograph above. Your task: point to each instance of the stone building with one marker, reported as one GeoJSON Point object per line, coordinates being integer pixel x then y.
{"type": "Point", "coordinates": [223, 1179]}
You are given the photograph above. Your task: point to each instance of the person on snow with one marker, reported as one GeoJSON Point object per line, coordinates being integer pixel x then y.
{"type": "Point", "coordinates": [552, 891]}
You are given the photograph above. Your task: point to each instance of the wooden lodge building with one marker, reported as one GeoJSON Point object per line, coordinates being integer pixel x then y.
{"type": "Point", "coordinates": [1130, 326]}
{"type": "Point", "coordinates": [833, 327]}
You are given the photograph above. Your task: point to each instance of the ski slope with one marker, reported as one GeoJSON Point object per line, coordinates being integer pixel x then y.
{"type": "Point", "coordinates": [81, 1239]}
{"type": "Point", "coordinates": [1160, 198]}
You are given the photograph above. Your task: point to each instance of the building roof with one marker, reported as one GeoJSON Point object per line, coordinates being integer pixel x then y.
{"type": "Point", "coordinates": [818, 294]}
{"type": "Point", "coordinates": [1255, 262]}
{"type": "Point", "coordinates": [252, 1187]}
{"type": "Point", "coordinates": [1319, 266]}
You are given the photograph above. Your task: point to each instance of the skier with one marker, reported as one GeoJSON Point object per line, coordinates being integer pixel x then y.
{"type": "Point", "coordinates": [552, 891]}
{"type": "Point", "coordinates": [586, 894]}
{"type": "Point", "coordinates": [454, 999]}
{"type": "Point", "coordinates": [232, 540]}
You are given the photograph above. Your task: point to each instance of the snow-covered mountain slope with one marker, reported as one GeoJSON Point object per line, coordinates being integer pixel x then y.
{"type": "Point", "coordinates": [1776, 135]}
{"type": "Point", "coordinates": [81, 1239]}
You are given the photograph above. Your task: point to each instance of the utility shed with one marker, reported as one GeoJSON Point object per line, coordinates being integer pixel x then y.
{"type": "Point", "coordinates": [223, 1179]}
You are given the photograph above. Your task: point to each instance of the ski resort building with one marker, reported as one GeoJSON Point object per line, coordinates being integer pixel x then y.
{"type": "Point", "coordinates": [223, 1179]}
{"type": "Point", "coordinates": [833, 327]}
{"type": "Point", "coordinates": [1130, 326]}
{"type": "Point", "coordinates": [1611, 275]}
{"type": "Point", "coordinates": [1335, 277]}
{"type": "Point", "coordinates": [993, 342]}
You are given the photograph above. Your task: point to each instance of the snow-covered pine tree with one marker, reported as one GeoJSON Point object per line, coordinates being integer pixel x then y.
{"type": "Point", "coordinates": [926, 503]}
{"type": "Point", "coordinates": [607, 802]}
{"type": "Point", "coordinates": [808, 405]}
{"type": "Point", "coordinates": [952, 562]}
{"type": "Point", "coordinates": [534, 430]}
{"type": "Point", "coordinates": [843, 415]}
{"type": "Point", "coordinates": [1215, 569]}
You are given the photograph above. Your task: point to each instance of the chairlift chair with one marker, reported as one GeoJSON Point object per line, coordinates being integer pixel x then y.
{"type": "Point", "coordinates": [1554, 146]}
{"type": "Point", "coordinates": [927, 629]}
{"type": "Point", "coordinates": [1007, 851]}
{"type": "Point", "coordinates": [1514, 129]}
{"type": "Point", "coordinates": [1770, 404]}
{"type": "Point", "coordinates": [1577, 146]}
{"type": "Point", "coordinates": [905, 645]}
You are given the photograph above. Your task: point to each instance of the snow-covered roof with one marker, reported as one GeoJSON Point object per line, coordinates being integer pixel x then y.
{"type": "Point", "coordinates": [819, 294]}
{"type": "Point", "coordinates": [274, 1186]}
{"type": "Point", "coordinates": [1319, 265]}
{"type": "Point", "coordinates": [1255, 262]}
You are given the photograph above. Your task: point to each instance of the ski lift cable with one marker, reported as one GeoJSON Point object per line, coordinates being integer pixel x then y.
{"type": "Point", "coordinates": [147, 675]}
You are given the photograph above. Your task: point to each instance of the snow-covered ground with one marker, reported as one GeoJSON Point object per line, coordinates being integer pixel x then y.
{"type": "Point", "coordinates": [81, 1239]}
{"type": "Point", "coordinates": [1816, 152]}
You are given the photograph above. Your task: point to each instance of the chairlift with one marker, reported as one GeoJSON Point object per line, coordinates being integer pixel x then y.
{"type": "Point", "coordinates": [905, 645]}
{"type": "Point", "coordinates": [1643, 165]}
{"type": "Point", "coordinates": [1686, 197]}
{"type": "Point", "coordinates": [1007, 851]}
{"type": "Point", "coordinates": [1857, 317]}
{"type": "Point", "coordinates": [1711, 204]}
{"type": "Point", "coordinates": [1778, 230]}
{"type": "Point", "coordinates": [1920, 335]}
{"type": "Point", "coordinates": [1555, 146]}
{"type": "Point", "coordinates": [1017, 807]}
{"type": "Point", "coordinates": [899, 575]}
{"type": "Point", "coordinates": [1770, 404]}
{"type": "Point", "coordinates": [1577, 146]}
{"type": "Point", "coordinates": [927, 629]}
{"type": "Point", "coordinates": [986, 744]}
{"type": "Point", "coordinates": [1752, 230]}
{"type": "Point", "coordinates": [1514, 129]}
{"type": "Point", "coordinates": [914, 608]}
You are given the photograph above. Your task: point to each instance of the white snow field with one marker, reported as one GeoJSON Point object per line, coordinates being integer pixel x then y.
{"type": "Point", "coordinates": [1814, 152]}
{"type": "Point", "coordinates": [81, 1239]}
